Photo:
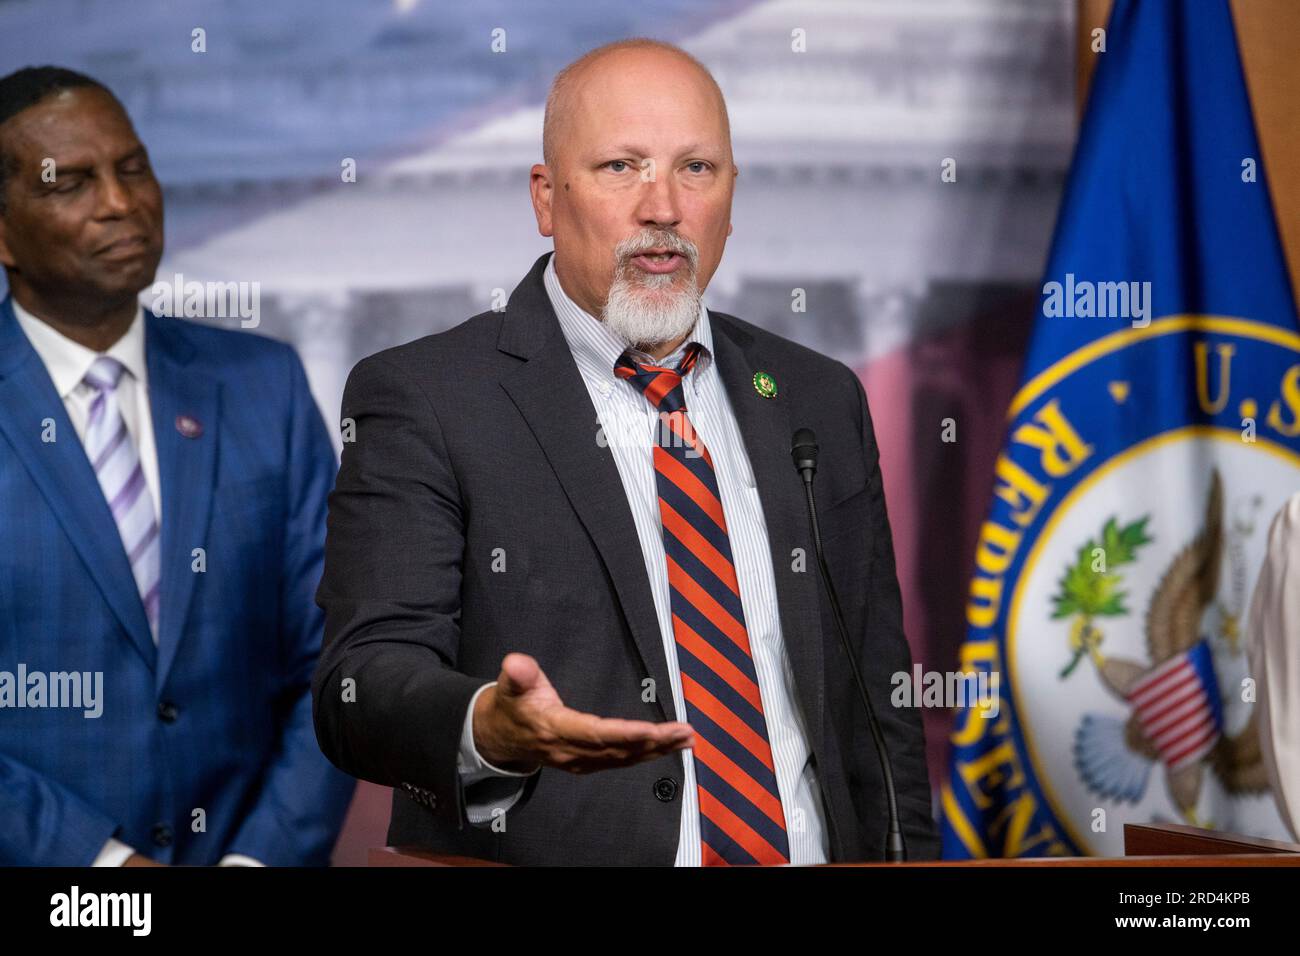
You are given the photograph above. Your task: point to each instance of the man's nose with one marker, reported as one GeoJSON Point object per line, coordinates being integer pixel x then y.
{"type": "Point", "coordinates": [658, 200]}
{"type": "Point", "coordinates": [115, 199]}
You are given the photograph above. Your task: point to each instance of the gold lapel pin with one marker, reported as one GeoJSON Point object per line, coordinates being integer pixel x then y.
{"type": "Point", "coordinates": [765, 385]}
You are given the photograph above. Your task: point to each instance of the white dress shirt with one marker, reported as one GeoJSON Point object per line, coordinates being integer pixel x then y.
{"type": "Point", "coordinates": [630, 425]}
{"type": "Point", "coordinates": [67, 363]}
{"type": "Point", "coordinates": [1273, 645]}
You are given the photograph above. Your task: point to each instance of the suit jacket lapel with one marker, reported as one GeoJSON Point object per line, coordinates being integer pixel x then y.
{"type": "Point", "coordinates": [550, 395]}
{"type": "Point", "coordinates": [65, 477]}
{"type": "Point", "coordinates": [766, 428]}
{"type": "Point", "coordinates": [186, 469]}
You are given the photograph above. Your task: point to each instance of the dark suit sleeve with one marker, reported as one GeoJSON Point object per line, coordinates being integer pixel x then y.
{"type": "Point", "coordinates": [389, 703]}
{"type": "Point", "coordinates": [886, 653]}
{"type": "Point", "coordinates": [302, 800]}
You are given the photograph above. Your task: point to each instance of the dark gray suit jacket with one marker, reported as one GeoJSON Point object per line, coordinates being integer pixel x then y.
{"type": "Point", "coordinates": [482, 438]}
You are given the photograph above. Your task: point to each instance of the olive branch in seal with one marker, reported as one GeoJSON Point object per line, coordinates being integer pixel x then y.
{"type": "Point", "coordinates": [1086, 594]}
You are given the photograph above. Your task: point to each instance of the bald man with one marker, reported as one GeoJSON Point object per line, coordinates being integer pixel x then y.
{"type": "Point", "coordinates": [571, 614]}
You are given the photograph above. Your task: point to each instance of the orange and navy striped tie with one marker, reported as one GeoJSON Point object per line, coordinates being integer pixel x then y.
{"type": "Point", "coordinates": [741, 819]}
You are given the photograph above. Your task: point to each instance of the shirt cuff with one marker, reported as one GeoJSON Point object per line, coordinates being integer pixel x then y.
{"type": "Point", "coordinates": [489, 791]}
{"type": "Point", "coordinates": [470, 762]}
{"type": "Point", "coordinates": [114, 853]}
{"type": "Point", "coordinates": [238, 859]}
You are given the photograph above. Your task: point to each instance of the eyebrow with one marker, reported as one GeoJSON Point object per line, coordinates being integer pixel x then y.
{"type": "Point", "coordinates": [74, 168]}
{"type": "Point", "coordinates": [642, 151]}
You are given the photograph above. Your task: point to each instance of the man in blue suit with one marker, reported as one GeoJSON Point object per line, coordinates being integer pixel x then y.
{"type": "Point", "coordinates": [162, 514]}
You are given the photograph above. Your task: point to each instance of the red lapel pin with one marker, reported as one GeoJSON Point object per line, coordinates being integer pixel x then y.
{"type": "Point", "coordinates": [188, 426]}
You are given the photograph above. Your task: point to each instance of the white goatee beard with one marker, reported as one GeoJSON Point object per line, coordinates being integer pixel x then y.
{"type": "Point", "coordinates": [645, 310]}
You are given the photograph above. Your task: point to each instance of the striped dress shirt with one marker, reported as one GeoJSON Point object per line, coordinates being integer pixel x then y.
{"type": "Point", "coordinates": [629, 423]}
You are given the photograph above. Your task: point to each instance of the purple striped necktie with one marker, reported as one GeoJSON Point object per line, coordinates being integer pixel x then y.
{"type": "Point", "coordinates": [741, 817]}
{"type": "Point", "coordinates": [117, 466]}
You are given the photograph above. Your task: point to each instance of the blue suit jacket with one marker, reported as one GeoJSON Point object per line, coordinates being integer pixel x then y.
{"type": "Point", "coordinates": [216, 718]}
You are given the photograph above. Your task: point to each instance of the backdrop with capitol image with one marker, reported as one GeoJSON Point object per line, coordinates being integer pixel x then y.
{"type": "Point", "coordinates": [1080, 368]}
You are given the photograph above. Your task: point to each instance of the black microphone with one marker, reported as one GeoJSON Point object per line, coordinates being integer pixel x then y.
{"type": "Point", "coordinates": [803, 450]}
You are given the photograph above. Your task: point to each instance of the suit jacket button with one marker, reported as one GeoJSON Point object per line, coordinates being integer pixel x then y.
{"type": "Point", "coordinates": [167, 712]}
{"type": "Point", "coordinates": [162, 835]}
{"type": "Point", "coordinates": [665, 789]}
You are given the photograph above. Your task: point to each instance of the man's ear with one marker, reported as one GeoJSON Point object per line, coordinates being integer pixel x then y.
{"type": "Point", "coordinates": [6, 257]}
{"type": "Point", "coordinates": [542, 189]}
{"type": "Point", "coordinates": [735, 171]}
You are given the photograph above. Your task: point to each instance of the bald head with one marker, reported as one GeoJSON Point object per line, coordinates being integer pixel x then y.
{"type": "Point", "coordinates": [636, 188]}
{"type": "Point", "coordinates": [569, 91]}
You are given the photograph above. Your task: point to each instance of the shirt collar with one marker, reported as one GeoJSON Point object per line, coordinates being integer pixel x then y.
{"type": "Point", "coordinates": [593, 344]}
{"type": "Point", "coordinates": [68, 361]}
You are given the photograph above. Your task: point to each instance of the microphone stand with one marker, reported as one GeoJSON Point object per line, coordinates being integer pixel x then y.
{"type": "Point", "coordinates": [804, 451]}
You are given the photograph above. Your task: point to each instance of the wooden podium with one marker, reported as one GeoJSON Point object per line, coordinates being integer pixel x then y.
{"type": "Point", "coordinates": [1145, 845]}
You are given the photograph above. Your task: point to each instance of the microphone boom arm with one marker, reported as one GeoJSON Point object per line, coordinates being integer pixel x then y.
{"type": "Point", "coordinates": [804, 451]}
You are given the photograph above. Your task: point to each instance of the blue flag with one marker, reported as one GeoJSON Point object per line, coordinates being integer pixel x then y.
{"type": "Point", "coordinates": [1155, 433]}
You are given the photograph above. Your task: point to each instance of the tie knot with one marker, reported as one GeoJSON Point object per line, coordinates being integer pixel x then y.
{"type": "Point", "coordinates": [659, 383]}
{"type": "Point", "coordinates": [104, 374]}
